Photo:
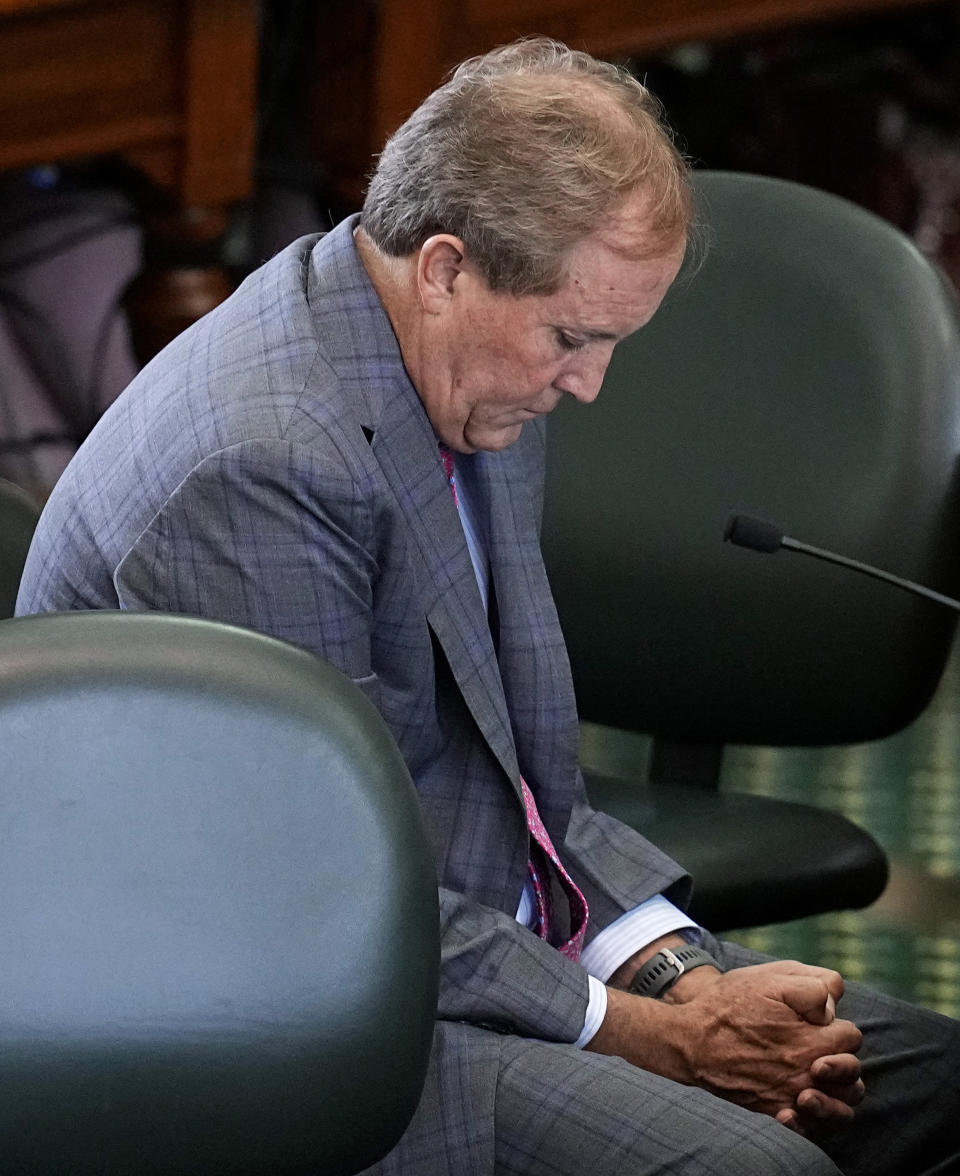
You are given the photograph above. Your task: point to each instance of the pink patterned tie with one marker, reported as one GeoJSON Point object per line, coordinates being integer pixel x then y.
{"type": "Point", "coordinates": [446, 458]}
{"type": "Point", "coordinates": [542, 850]}
{"type": "Point", "coordinates": [541, 885]}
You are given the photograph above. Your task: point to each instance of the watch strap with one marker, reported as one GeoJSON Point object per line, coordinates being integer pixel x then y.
{"type": "Point", "coordinates": [665, 968]}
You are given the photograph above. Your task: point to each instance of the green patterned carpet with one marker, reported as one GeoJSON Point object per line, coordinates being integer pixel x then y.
{"type": "Point", "coordinates": [906, 791]}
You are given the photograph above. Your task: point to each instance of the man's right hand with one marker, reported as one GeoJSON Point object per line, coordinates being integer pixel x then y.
{"type": "Point", "coordinates": [762, 1036]}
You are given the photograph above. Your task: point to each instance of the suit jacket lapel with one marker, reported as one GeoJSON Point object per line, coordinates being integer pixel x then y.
{"type": "Point", "coordinates": [406, 448]}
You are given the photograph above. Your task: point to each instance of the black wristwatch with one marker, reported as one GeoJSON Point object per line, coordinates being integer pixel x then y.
{"type": "Point", "coordinates": [664, 969]}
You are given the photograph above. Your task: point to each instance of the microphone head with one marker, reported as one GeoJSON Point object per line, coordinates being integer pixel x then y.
{"type": "Point", "coordinates": [745, 531]}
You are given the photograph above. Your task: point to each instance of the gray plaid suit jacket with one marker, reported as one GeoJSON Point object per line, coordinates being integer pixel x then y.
{"type": "Point", "coordinates": [274, 467]}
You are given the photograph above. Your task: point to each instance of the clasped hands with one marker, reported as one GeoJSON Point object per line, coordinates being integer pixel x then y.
{"type": "Point", "coordinates": [766, 1037]}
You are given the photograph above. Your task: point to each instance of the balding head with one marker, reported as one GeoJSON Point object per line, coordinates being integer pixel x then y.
{"type": "Point", "coordinates": [522, 154]}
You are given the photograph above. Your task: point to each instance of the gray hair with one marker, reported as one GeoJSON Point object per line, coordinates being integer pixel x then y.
{"type": "Point", "coordinates": [523, 153]}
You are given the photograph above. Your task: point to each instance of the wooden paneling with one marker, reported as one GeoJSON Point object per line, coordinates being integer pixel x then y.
{"type": "Point", "coordinates": [85, 80]}
{"type": "Point", "coordinates": [170, 84]}
{"type": "Point", "coordinates": [21, 6]}
{"type": "Point", "coordinates": [219, 93]}
{"type": "Point", "coordinates": [415, 38]}
{"type": "Point", "coordinates": [421, 39]}
{"type": "Point", "coordinates": [627, 27]}
{"type": "Point", "coordinates": [362, 97]}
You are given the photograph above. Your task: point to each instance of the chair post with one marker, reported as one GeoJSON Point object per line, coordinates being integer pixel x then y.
{"type": "Point", "coordinates": [676, 761]}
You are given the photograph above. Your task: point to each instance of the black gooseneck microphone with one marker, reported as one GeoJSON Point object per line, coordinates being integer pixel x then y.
{"type": "Point", "coordinates": [745, 531]}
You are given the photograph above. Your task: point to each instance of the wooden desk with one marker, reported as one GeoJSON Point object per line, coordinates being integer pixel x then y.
{"type": "Point", "coordinates": [167, 84]}
{"type": "Point", "coordinates": [376, 65]}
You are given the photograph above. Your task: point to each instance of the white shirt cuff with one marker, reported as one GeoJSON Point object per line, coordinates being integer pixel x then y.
{"type": "Point", "coordinates": [633, 930]}
{"type": "Point", "coordinates": [596, 1011]}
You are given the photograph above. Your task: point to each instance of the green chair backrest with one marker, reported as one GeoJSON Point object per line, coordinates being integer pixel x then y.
{"type": "Point", "coordinates": [219, 920]}
{"type": "Point", "coordinates": [18, 519]}
{"type": "Point", "coordinates": [809, 373]}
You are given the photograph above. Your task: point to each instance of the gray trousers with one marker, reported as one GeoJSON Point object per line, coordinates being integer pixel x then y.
{"type": "Point", "coordinates": [553, 1110]}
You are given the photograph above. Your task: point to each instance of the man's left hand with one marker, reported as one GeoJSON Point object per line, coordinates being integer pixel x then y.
{"type": "Point", "coordinates": [838, 1088]}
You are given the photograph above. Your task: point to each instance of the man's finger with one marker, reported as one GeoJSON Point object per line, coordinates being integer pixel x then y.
{"type": "Point", "coordinates": [810, 998]}
{"type": "Point", "coordinates": [852, 1094]}
{"type": "Point", "coordinates": [788, 1117]}
{"type": "Point", "coordinates": [820, 1106]}
{"type": "Point", "coordinates": [836, 1069]}
{"type": "Point", "coordinates": [832, 980]}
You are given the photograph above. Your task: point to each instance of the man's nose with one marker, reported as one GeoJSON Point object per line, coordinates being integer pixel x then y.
{"type": "Point", "coordinates": [583, 381]}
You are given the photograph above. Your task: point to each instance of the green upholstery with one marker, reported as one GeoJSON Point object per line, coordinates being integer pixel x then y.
{"type": "Point", "coordinates": [219, 919]}
{"type": "Point", "coordinates": [18, 518]}
{"type": "Point", "coordinates": [808, 373]}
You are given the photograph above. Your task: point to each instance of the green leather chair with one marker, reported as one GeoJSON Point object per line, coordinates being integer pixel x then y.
{"type": "Point", "coordinates": [808, 372]}
{"type": "Point", "coordinates": [18, 518]}
{"type": "Point", "coordinates": [219, 918]}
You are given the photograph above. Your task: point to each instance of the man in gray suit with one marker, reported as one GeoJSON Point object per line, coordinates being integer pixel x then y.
{"type": "Point", "coordinates": [349, 454]}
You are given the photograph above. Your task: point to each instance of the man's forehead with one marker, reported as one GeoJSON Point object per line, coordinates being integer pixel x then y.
{"type": "Point", "coordinates": [598, 272]}
{"type": "Point", "coordinates": [605, 294]}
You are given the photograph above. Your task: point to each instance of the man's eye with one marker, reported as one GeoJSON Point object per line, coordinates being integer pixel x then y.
{"type": "Point", "coordinates": [570, 342]}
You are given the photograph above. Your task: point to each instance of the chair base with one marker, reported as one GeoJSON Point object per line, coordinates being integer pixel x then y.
{"type": "Point", "coordinates": [754, 860]}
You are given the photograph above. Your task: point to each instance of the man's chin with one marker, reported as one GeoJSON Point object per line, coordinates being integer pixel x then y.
{"type": "Point", "coordinates": [491, 439]}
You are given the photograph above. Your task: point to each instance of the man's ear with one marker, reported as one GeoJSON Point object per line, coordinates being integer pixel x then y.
{"type": "Point", "coordinates": [439, 263]}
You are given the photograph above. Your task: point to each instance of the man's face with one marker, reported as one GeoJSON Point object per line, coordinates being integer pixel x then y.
{"type": "Point", "coordinates": [497, 360]}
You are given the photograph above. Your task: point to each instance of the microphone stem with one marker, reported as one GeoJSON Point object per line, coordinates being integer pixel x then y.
{"type": "Point", "coordinates": [877, 573]}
